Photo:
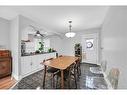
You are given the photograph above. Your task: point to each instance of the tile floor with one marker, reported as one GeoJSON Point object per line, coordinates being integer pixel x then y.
{"type": "Point", "coordinates": [87, 80]}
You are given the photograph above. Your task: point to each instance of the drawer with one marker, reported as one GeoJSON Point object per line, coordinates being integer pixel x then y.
{"type": "Point", "coordinates": [4, 53]}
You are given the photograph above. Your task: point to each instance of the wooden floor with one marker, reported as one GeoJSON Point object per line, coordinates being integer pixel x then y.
{"type": "Point", "coordinates": [7, 82]}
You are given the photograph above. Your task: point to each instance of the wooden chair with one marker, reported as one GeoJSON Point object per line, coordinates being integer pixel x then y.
{"type": "Point", "coordinates": [72, 74]}
{"type": "Point", "coordinates": [78, 68]}
{"type": "Point", "coordinates": [52, 71]}
{"type": "Point", "coordinates": [69, 74]}
{"type": "Point", "coordinates": [114, 77]}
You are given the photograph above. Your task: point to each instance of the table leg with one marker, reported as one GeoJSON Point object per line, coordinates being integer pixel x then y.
{"type": "Point", "coordinates": [62, 79]}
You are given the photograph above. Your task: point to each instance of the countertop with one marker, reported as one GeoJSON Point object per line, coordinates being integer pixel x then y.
{"type": "Point", "coordinates": [31, 54]}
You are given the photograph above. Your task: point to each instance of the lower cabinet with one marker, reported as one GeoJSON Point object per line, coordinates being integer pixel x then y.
{"type": "Point", "coordinates": [31, 64]}
{"type": "Point", "coordinates": [26, 65]}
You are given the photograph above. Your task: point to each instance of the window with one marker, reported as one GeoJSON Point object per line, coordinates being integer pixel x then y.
{"type": "Point", "coordinates": [36, 42]}
{"type": "Point", "coordinates": [46, 43]}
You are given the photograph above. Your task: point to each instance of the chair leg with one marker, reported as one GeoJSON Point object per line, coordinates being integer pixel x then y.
{"type": "Point", "coordinates": [69, 75]}
{"type": "Point", "coordinates": [44, 76]}
{"type": "Point", "coordinates": [79, 70]}
{"type": "Point", "coordinates": [57, 80]}
{"type": "Point", "coordinates": [52, 80]}
{"type": "Point", "coordinates": [75, 78]}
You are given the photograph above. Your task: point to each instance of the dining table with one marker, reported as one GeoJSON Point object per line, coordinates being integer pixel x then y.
{"type": "Point", "coordinates": [60, 63]}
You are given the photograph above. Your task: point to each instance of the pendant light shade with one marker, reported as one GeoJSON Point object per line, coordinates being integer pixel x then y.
{"type": "Point", "coordinates": [70, 34]}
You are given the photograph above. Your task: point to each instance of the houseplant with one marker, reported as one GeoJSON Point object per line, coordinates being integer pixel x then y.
{"type": "Point", "coordinates": [41, 46]}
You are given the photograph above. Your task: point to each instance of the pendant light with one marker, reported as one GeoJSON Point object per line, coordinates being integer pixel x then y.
{"type": "Point", "coordinates": [70, 34]}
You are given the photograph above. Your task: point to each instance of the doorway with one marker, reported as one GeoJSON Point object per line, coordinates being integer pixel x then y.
{"type": "Point", "coordinates": [90, 48]}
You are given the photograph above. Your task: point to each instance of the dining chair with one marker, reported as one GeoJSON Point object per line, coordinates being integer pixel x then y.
{"type": "Point", "coordinates": [113, 77]}
{"type": "Point", "coordinates": [69, 75]}
{"type": "Point", "coordinates": [72, 74]}
{"type": "Point", "coordinates": [50, 70]}
{"type": "Point", "coordinates": [78, 66]}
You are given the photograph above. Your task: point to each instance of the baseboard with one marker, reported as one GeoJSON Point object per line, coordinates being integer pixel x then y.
{"type": "Point", "coordinates": [18, 79]}
{"type": "Point", "coordinates": [15, 84]}
{"type": "Point", "coordinates": [22, 76]}
{"type": "Point", "coordinates": [15, 77]}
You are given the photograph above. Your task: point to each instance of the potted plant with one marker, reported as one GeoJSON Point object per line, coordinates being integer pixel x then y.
{"type": "Point", "coordinates": [41, 47]}
{"type": "Point", "coordinates": [50, 50]}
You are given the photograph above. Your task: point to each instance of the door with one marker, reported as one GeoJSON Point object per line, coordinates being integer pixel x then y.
{"type": "Point", "coordinates": [90, 48]}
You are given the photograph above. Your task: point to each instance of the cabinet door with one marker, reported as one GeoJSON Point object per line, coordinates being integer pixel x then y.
{"type": "Point", "coordinates": [26, 64]}
{"type": "Point", "coordinates": [36, 60]}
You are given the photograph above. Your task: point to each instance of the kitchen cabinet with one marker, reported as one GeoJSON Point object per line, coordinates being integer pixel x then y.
{"type": "Point", "coordinates": [31, 64]}
{"type": "Point", "coordinates": [26, 65]}
{"type": "Point", "coordinates": [36, 60]}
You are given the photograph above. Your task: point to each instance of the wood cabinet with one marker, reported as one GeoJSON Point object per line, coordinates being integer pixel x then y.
{"type": "Point", "coordinates": [31, 64]}
{"type": "Point", "coordinates": [5, 63]}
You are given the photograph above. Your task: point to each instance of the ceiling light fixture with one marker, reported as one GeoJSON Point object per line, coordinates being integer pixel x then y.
{"type": "Point", "coordinates": [37, 34]}
{"type": "Point", "coordinates": [70, 34]}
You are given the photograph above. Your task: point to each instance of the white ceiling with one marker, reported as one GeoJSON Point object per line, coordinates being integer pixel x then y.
{"type": "Point", "coordinates": [55, 18]}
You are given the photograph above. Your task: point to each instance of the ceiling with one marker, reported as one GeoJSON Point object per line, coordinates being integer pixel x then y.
{"type": "Point", "coordinates": [55, 18]}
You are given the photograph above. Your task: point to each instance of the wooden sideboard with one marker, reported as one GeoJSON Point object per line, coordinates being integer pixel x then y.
{"type": "Point", "coordinates": [5, 63]}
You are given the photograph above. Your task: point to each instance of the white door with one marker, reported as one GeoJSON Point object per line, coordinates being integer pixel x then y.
{"type": "Point", "coordinates": [90, 48]}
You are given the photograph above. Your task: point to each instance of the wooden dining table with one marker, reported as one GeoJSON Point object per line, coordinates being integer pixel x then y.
{"type": "Point", "coordinates": [61, 63]}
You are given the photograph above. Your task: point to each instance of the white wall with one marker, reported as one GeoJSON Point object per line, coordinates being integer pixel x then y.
{"type": "Point", "coordinates": [56, 43]}
{"type": "Point", "coordinates": [69, 43]}
{"type": "Point", "coordinates": [4, 33]}
{"type": "Point", "coordinates": [114, 42]}
{"type": "Point", "coordinates": [25, 28]}
{"type": "Point", "coordinates": [9, 39]}
{"type": "Point", "coordinates": [14, 46]}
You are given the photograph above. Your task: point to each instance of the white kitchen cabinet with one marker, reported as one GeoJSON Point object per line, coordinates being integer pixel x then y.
{"type": "Point", "coordinates": [37, 59]}
{"type": "Point", "coordinates": [26, 64]}
{"type": "Point", "coordinates": [31, 64]}
{"type": "Point", "coordinates": [35, 62]}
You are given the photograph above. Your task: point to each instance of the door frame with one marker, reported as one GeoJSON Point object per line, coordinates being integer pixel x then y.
{"type": "Point", "coordinates": [97, 42]}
